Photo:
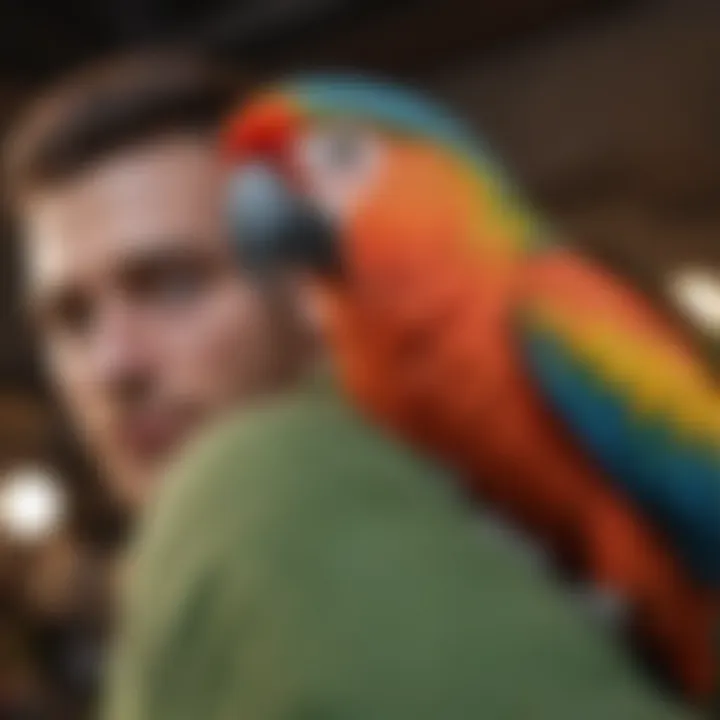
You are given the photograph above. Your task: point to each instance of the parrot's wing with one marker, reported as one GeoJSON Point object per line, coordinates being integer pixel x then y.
{"type": "Point", "coordinates": [643, 407]}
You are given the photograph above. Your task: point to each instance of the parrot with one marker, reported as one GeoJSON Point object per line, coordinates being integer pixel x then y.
{"type": "Point", "coordinates": [561, 395]}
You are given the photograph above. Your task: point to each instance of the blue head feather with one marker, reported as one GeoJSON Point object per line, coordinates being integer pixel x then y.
{"type": "Point", "coordinates": [394, 107]}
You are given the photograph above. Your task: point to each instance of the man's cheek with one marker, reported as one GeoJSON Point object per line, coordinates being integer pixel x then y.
{"type": "Point", "coordinates": [192, 360]}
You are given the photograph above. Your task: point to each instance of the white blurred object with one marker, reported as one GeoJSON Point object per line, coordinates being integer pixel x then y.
{"type": "Point", "coordinates": [32, 504]}
{"type": "Point", "coordinates": [698, 293]}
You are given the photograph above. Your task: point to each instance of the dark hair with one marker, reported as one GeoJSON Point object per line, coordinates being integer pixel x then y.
{"type": "Point", "coordinates": [110, 106]}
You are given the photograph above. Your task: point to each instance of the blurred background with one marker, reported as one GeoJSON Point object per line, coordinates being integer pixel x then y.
{"type": "Point", "coordinates": [608, 112]}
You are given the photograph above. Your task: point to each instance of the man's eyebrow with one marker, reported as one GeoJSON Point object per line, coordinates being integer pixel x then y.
{"type": "Point", "coordinates": [159, 248]}
{"type": "Point", "coordinates": [152, 243]}
{"type": "Point", "coordinates": [161, 255]}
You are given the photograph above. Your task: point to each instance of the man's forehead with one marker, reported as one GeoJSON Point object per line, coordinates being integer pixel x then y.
{"type": "Point", "coordinates": [169, 188]}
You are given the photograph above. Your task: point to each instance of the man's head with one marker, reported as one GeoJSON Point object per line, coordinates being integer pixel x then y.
{"type": "Point", "coordinates": [147, 324]}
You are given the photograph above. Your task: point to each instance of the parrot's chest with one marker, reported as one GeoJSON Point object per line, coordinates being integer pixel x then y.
{"type": "Point", "coordinates": [439, 361]}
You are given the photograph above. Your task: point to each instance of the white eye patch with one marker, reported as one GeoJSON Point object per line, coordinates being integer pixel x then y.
{"type": "Point", "coordinates": [337, 162]}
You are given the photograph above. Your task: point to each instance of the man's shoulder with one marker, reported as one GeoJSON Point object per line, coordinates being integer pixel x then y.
{"type": "Point", "coordinates": [303, 442]}
{"type": "Point", "coordinates": [288, 478]}
{"type": "Point", "coordinates": [287, 460]}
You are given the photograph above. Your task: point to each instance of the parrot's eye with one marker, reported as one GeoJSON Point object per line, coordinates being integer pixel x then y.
{"type": "Point", "coordinates": [341, 148]}
{"type": "Point", "coordinates": [337, 162]}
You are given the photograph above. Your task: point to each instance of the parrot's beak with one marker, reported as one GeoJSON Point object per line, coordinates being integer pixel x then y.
{"type": "Point", "coordinates": [273, 227]}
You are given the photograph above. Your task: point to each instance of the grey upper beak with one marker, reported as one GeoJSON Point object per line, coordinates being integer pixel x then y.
{"type": "Point", "coordinates": [273, 227]}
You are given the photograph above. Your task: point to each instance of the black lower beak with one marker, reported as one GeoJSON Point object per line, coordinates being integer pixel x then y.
{"type": "Point", "coordinates": [272, 227]}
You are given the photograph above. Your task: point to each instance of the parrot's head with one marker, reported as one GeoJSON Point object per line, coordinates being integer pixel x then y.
{"type": "Point", "coordinates": [319, 163]}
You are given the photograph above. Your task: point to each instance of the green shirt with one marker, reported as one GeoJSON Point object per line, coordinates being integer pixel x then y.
{"type": "Point", "coordinates": [299, 566]}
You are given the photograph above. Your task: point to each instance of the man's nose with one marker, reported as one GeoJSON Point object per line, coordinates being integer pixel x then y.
{"type": "Point", "coordinates": [121, 353]}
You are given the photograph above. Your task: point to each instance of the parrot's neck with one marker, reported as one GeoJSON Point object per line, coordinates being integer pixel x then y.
{"type": "Point", "coordinates": [504, 219]}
